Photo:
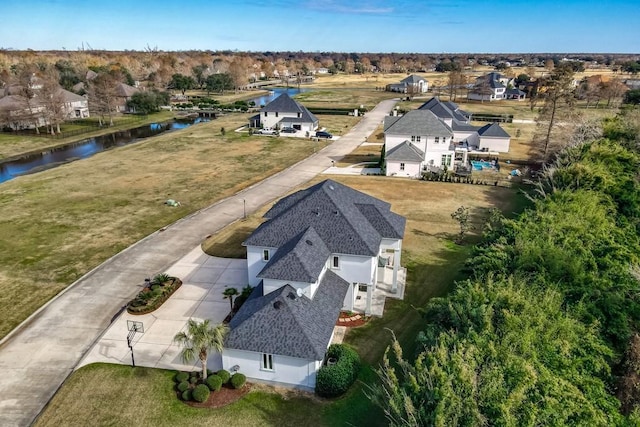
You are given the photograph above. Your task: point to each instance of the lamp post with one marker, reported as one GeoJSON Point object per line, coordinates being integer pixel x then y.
{"type": "Point", "coordinates": [244, 209]}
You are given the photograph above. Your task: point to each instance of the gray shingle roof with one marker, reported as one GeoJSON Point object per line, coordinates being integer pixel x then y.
{"type": "Point", "coordinates": [301, 259]}
{"type": "Point", "coordinates": [285, 104]}
{"type": "Point", "coordinates": [493, 130]}
{"type": "Point", "coordinates": [330, 209]}
{"type": "Point", "coordinates": [419, 122]}
{"type": "Point", "coordinates": [284, 324]}
{"type": "Point", "coordinates": [405, 152]}
{"type": "Point", "coordinates": [412, 79]}
{"type": "Point", "coordinates": [445, 110]}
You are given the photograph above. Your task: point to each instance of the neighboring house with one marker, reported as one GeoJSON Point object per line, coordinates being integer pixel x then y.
{"type": "Point", "coordinates": [490, 87]}
{"type": "Point", "coordinates": [412, 84]}
{"type": "Point", "coordinates": [124, 92]}
{"type": "Point", "coordinates": [320, 250]}
{"type": "Point", "coordinates": [438, 136]}
{"type": "Point", "coordinates": [75, 106]}
{"type": "Point", "coordinates": [18, 113]}
{"type": "Point", "coordinates": [516, 94]}
{"type": "Point", "coordinates": [285, 112]}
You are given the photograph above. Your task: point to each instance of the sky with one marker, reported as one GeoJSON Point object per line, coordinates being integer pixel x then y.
{"type": "Point", "coordinates": [422, 26]}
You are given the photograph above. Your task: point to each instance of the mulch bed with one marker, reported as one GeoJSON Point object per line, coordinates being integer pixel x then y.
{"type": "Point", "coordinates": [225, 396]}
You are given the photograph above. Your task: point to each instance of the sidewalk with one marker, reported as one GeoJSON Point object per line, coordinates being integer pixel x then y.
{"type": "Point", "coordinates": [38, 356]}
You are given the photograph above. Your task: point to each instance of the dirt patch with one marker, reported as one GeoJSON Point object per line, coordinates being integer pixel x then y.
{"type": "Point", "coordinates": [223, 397]}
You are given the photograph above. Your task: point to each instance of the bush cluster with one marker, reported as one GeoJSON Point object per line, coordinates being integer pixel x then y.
{"type": "Point", "coordinates": [183, 385]}
{"type": "Point", "coordinates": [214, 382]}
{"type": "Point", "coordinates": [224, 376]}
{"type": "Point", "coordinates": [237, 380]}
{"type": "Point", "coordinates": [335, 380]}
{"type": "Point", "coordinates": [201, 393]}
{"type": "Point", "coordinates": [181, 376]}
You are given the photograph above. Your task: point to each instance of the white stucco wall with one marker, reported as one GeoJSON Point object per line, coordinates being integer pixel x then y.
{"type": "Point", "coordinates": [255, 263]}
{"type": "Point", "coordinates": [411, 170]}
{"type": "Point", "coordinates": [391, 141]}
{"type": "Point", "coordinates": [501, 145]}
{"type": "Point", "coordinates": [286, 370]}
{"type": "Point", "coordinates": [354, 268]}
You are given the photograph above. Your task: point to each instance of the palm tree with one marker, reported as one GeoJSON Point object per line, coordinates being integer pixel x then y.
{"type": "Point", "coordinates": [198, 339]}
{"type": "Point", "coordinates": [230, 293]}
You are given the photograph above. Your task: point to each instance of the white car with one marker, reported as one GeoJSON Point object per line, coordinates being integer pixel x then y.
{"type": "Point", "coordinates": [267, 131]}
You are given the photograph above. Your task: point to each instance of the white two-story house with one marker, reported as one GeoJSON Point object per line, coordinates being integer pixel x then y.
{"type": "Point", "coordinates": [437, 136]}
{"type": "Point", "coordinates": [490, 87]}
{"type": "Point", "coordinates": [285, 112]}
{"type": "Point", "coordinates": [319, 250]}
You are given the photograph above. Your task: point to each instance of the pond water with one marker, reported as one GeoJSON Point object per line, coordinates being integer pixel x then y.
{"type": "Point", "coordinates": [276, 92]}
{"type": "Point", "coordinates": [88, 147]}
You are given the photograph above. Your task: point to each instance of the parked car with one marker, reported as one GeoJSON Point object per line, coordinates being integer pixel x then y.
{"type": "Point", "coordinates": [267, 131]}
{"type": "Point", "coordinates": [323, 134]}
{"type": "Point", "coordinates": [288, 130]}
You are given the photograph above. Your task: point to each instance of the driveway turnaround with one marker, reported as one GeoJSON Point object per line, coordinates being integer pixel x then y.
{"type": "Point", "coordinates": [37, 356]}
{"type": "Point", "coordinates": [204, 278]}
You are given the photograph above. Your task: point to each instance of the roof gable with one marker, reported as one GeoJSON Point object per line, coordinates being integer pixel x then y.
{"type": "Point", "coordinates": [302, 259]}
{"type": "Point", "coordinates": [493, 130]}
{"type": "Point", "coordinates": [297, 326]}
{"type": "Point", "coordinates": [405, 152]}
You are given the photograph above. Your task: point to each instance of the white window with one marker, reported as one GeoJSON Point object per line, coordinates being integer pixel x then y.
{"type": "Point", "coordinates": [265, 255]}
{"type": "Point", "coordinates": [335, 262]}
{"type": "Point", "coordinates": [444, 139]}
{"type": "Point", "coordinates": [437, 139]}
{"type": "Point", "coordinates": [413, 138]}
{"type": "Point", "coordinates": [265, 113]}
{"type": "Point", "coordinates": [276, 114]}
{"type": "Point", "coordinates": [267, 362]}
{"type": "Point", "coordinates": [401, 166]}
{"type": "Point", "coordinates": [446, 160]}
{"type": "Point", "coordinates": [418, 138]}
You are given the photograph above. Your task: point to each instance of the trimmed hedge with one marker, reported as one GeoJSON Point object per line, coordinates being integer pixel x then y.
{"type": "Point", "coordinates": [335, 380]}
{"type": "Point", "coordinates": [183, 385]}
{"type": "Point", "coordinates": [181, 376]}
{"type": "Point", "coordinates": [186, 395]}
{"type": "Point", "coordinates": [237, 380]}
{"type": "Point", "coordinates": [201, 393]}
{"type": "Point", "coordinates": [224, 375]}
{"type": "Point", "coordinates": [214, 383]}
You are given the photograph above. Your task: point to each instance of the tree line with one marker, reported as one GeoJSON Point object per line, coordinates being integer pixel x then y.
{"type": "Point", "coordinates": [544, 331]}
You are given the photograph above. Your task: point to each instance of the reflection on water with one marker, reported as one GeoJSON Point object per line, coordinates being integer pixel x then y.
{"type": "Point", "coordinates": [88, 147]}
{"type": "Point", "coordinates": [276, 92]}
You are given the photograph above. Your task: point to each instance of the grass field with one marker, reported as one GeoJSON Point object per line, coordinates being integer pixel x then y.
{"type": "Point", "coordinates": [343, 98]}
{"type": "Point", "coordinates": [144, 396]}
{"type": "Point", "coordinates": [58, 224]}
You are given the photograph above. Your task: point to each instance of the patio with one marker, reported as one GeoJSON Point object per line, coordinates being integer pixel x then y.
{"type": "Point", "coordinates": [382, 292]}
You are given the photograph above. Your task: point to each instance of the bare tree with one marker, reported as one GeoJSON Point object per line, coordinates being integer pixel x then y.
{"type": "Point", "coordinates": [103, 96]}
{"type": "Point", "coordinates": [52, 98]}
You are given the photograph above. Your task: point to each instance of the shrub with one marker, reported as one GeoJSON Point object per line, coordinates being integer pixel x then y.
{"type": "Point", "coordinates": [181, 376]}
{"type": "Point", "coordinates": [182, 386]}
{"type": "Point", "coordinates": [214, 382]}
{"type": "Point", "coordinates": [336, 379]}
{"type": "Point", "coordinates": [201, 393]}
{"type": "Point", "coordinates": [194, 379]}
{"type": "Point", "coordinates": [186, 395]}
{"type": "Point", "coordinates": [237, 380]}
{"type": "Point", "coordinates": [224, 375]}
{"type": "Point", "coordinates": [159, 279]}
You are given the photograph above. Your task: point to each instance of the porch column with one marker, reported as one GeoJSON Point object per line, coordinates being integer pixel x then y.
{"type": "Point", "coordinates": [367, 310]}
{"type": "Point", "coordinates": [396, 265]}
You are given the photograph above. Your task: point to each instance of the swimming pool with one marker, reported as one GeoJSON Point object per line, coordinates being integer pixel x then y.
{"type": "Point", "coordinates": [478, 165]}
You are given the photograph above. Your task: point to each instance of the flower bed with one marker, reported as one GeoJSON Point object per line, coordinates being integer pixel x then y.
{"type": "Point", "coordinates": [154, 295]}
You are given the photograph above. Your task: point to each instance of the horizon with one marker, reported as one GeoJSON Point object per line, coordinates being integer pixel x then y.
{"type": "Point", "coordinates": [363, 26]}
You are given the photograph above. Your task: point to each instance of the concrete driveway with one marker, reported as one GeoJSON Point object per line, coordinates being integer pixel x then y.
{"type": "Point", "coordinates": [37, 356]}
{"type": "Point", "coordinates": [204, 278]}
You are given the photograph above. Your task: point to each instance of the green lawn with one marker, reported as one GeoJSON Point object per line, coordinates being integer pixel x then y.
{"type": "Point", "coordinates": [145, 397]}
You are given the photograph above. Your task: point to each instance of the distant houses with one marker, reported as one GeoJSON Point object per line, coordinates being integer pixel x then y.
{"type": "Point", "coordinates": [492, 87]}
{"type": "Point", "coordinates": [412, 84]}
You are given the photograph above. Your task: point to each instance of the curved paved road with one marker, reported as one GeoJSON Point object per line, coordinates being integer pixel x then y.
{"type": "Point", "coordinates": [40, 354]}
